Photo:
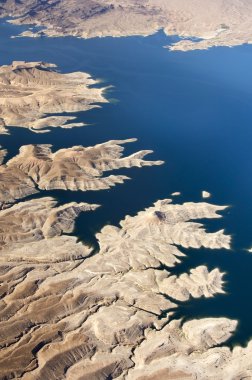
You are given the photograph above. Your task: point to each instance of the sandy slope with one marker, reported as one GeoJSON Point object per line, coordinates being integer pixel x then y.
{"type": "Point", "coordinates": [216, 22]}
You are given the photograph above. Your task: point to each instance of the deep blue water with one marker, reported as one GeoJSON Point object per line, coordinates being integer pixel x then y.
{"type": "Point", "coordinates": [194, 110]}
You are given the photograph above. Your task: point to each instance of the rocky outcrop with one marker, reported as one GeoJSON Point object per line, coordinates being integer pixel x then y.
{"type": "Point", "coordinates": [218, 24]}
{"type": "Point", "coordinates": [69, 314]}
{"type": "Point", "coordinates": [27, 227]}
{"type": "Point", "coordinates": [188, 352]}
{"type": "Point", "coordinates": [33, 93]}
{"type": "Point", "coordinates": [36, 168]}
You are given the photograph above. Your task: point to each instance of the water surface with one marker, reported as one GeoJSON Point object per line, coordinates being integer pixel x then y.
{"type": "Point", "coordinates": [194, 110]}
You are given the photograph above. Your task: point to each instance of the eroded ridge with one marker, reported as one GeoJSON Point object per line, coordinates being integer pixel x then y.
{"type": "Point", "coordinates": [103, 316]}
{"type": "Point", "coordinates": [32, 231]}
{"type": "Point", "coordinates": [36, 168]}
{"type": "Point", "coordinates": [219, 24]}
{"type": "Point", "coordinates": [32, 91]}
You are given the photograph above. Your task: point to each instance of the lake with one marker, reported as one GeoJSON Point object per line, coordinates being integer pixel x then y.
{"type": "Point", "coordinates": [194, 111]}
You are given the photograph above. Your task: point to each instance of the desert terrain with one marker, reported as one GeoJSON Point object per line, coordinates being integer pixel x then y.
{"type": "Point", "coordinates": [73, 311]}
{"type": "Point", "coordinates": [219, 23]}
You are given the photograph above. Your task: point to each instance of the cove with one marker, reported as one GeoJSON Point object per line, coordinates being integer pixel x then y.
{"type": "Point", "coordinates": [194, 110]}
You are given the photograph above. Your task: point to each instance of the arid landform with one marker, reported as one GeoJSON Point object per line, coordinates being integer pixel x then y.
{"type": "Point", "coordinates": [69, 311]}
{"type": "Point", "coordinates": [219, 23]}
{"type": "Point", "coordinates": [33, 93]}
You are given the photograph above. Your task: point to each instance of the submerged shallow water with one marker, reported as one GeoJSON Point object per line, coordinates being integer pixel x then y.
{"type": "Point", "coordinates": [194, 110]}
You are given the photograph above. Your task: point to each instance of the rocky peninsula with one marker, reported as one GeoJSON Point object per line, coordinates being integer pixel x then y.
{"type": "Point", "coordinates": [218, 24]}
{"type": "Point", "coordinates": [36, 168]}
{"type": "Point", "coordinates": [76, 312]}
{"type": "Point", "coordinates": [69, 314]}
{"type": "Point", "coordinates": [33, 93]}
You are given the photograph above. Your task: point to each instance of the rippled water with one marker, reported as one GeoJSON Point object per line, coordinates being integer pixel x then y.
{"type": "Point", "coordinates": [194, 110]}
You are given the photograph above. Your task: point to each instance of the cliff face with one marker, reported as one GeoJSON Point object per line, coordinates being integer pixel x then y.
{"type": "Point", "coordinates": [217, 24]}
